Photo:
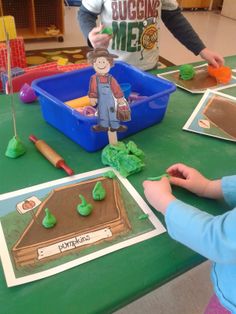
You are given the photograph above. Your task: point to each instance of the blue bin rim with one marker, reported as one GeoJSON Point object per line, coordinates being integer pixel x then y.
{"type": "Point", "coordinates": [171, 86]}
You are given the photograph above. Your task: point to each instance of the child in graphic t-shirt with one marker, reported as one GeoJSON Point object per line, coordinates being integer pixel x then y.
{"type": "Point", "coordinates": [135, 29]}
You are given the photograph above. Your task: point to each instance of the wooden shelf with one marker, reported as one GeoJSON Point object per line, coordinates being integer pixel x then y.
{"type": "Point", "coordinates": [195, 4]}
{"type": "Point", "coordinates": [33, 17]}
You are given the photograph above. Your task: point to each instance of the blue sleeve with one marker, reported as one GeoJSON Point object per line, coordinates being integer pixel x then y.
{"type": "Point", "coordinates": [211, 236]}
{"type": "Point", "coordinates": [229, 190]}
{"type": "Point", "coordinates": [87, 21]}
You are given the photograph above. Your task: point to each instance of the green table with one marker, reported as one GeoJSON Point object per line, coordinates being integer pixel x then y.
{"type": "Point", "coordinates": [108, 283]}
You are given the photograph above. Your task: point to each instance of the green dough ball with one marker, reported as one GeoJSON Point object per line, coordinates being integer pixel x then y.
{"type": "Point", "coordinates": [107, 30]}
{"type": "Point", "coordinates": [186, 72]}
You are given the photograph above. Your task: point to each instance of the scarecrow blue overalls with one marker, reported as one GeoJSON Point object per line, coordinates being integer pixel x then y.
{"type": "Point", "coordinates": [106, 105]}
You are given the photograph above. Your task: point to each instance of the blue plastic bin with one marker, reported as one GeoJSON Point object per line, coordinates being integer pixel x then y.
{"type": "Point", "coordinates": [54, 91]}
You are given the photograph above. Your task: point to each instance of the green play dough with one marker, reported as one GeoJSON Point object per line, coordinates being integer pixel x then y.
{"type": "Point", "coordinates": [98, 192]}
{"type": "Point", "coordinates": [107, 30]}
{"type": "Point", "coordinates": [84, 209]}
{"type": "Point", "coordinates": [143, 217]}
{"type": "Point", "coordinates": [109, 174]}
{"type": "Point", "coordinates": [49, 220]}
{"type": "Point", "coordinates": [15, 148]}
{"type": "Point", "coordinates": [125, 158]}
{"type": "Point", "coordinates": [186, 72]}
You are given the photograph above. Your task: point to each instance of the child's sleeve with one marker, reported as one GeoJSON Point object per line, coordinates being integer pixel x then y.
{"type": "Point", "coordinates": [87, 16]}
{"type": "Point", "coordinates": [211, 236]}
{"type": "Point", "coordinates": [179, 26]}
{"type": "Point", "coordinates": [94, 6]}
{"type": "Point", "coordinates": [169, 4]}
{"type": "Point", "coordinates": [229, 190]}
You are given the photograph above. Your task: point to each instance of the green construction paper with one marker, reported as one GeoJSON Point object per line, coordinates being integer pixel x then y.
{"type": "Point", "coordinates": [84, 209]}
{"type": "Point", "coordinates": [15, 148]}
{"type": "Point", "coordinates": [49, 220]}
{"type": "Point", "coordinates": [125, 158]}
{"type": "Point", "coordinates": [99, 193]}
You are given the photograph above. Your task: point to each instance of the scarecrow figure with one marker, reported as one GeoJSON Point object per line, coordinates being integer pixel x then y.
{"type": "Point", "coordinates": [105, 92]}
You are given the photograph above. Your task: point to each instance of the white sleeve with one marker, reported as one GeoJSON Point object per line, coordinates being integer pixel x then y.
{"type": "Point", "coordinates": [169, 5]}
{"type": "Point", "coordinates": [94, 6]}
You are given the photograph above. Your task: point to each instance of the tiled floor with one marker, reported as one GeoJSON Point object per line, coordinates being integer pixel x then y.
{"type": "Point", "coordinates": [215, 30]}
{"type": "Point", "coordinates": [189, 293]}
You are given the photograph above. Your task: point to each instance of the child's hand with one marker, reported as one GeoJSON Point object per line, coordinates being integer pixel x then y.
{"type": "Point", "coordinates": [99, 40]}
{"type": "Point", "coordinates": [212, 57]}
{"type": "Point", "coordinates": [194, 181]}
{"type": "Point", "coordinates": [158, 194]}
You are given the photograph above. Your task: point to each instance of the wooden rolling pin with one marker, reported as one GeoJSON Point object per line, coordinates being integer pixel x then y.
{"type": "Point", "coordinates": [51, 155]}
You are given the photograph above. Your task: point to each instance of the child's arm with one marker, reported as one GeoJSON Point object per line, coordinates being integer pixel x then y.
{"type": "Point", "coordinates": [159, 193]}
{"type": "Point", "coordinates": [192, 180]}
{"type": "Point", "coordinates": [213, 237]}
{"type": "Point", "coordinates": [179, 26]}
{"type": "Point", "coordinates": [87, 21]}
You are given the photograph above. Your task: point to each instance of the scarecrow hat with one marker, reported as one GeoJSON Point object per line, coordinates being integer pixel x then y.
{"type": "Point", "coordinates": [100, 52]}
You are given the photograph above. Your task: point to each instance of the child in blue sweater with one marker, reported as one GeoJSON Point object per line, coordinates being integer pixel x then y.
{"type": "Point", "coordinates": [211, 236]}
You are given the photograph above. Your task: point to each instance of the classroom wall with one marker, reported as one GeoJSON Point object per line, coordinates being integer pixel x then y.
{"type": "Point", "coordinates": [229, 9]}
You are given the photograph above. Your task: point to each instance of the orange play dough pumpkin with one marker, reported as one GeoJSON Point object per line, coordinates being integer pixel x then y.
{"type": "Point", "coordinates": [222, 74]}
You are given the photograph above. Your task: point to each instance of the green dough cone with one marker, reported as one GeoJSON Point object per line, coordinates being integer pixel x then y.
{"type": "Point", "coordinates": [186, 72]}
{"type": "Point", "coordinates": [84, 209]}
{"type": "Point", "coordinates": [15, 148]}
{"type": "Point", "coordinates": [107, 30]}
{"type": "Point", "coordinates": [49, 220]}
{"type": "Point", "coordinates": [99, 192]}
{"type": "Point", "coordinates": [109, 174]}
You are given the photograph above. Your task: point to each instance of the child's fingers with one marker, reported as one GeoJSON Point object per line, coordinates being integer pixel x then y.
{"type": "Point", "coordinates": [96, 30]}
{"type": "Point", "coordinates": [178, 182]}
{"type": "Point", "coordinates": [178, 170]}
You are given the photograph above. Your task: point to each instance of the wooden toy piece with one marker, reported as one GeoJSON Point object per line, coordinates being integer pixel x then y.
{"type": "Point", "coordinates": [62, 61]}
{"type": "Point", "coordinates": [222, 74]}
{"type": "Point", "coordinates": [78, 102]}
{"type": "Point", "coordinates": [51, 155]}
{"type": "Point", "coordinates": [112, 138]}
{"type": "Point", "coordinates": [9, 22]}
